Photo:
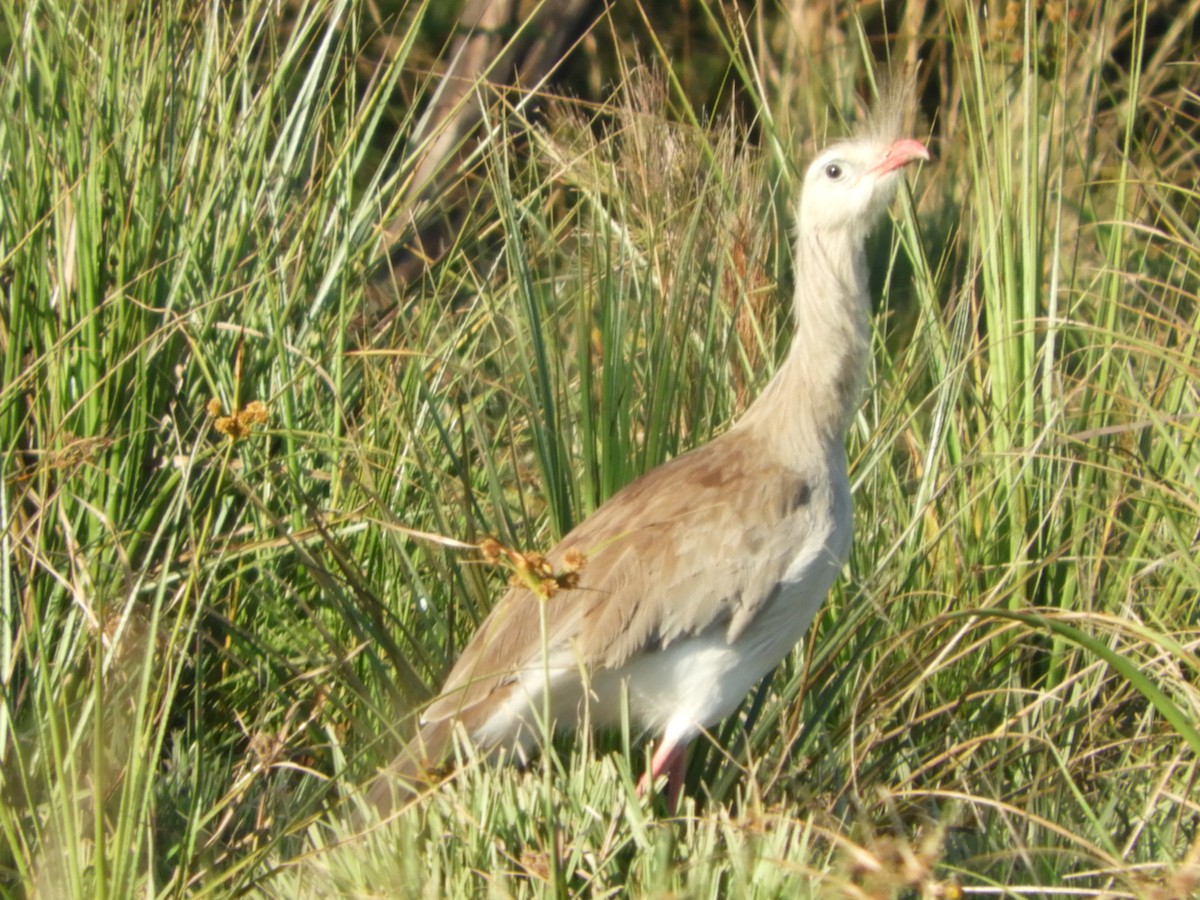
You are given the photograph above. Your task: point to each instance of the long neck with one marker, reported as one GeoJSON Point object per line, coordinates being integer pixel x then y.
{"type": "Point", "coordinates": [810, 402]}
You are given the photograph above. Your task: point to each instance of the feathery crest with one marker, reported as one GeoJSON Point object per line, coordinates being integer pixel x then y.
{"type": "Point", "coordinates": [890, 116]}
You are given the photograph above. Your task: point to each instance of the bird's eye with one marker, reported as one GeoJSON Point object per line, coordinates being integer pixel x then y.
{"type": "Point", "coordinates": [833, 172]}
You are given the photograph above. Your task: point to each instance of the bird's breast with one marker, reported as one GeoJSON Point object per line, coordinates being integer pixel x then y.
{"type": "Point", "coordinates": [823, 535]}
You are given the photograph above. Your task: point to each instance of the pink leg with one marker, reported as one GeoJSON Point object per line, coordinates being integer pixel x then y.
{"type": "Point", "coordinates": [672, 759]}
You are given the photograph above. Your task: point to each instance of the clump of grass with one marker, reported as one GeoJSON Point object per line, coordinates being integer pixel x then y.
{"type": "Point", "coordinates": [184, 219]}
{"type": "Point", "coordinates": [210, 634]}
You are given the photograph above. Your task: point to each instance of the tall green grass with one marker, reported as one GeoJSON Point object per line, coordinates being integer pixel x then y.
{"type": "Point", "coordinates": [215, 629]}
{"type": "Point", "coordinates": [190, 205]}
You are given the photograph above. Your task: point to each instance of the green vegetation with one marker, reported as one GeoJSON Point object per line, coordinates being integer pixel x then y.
{"type": "Point", "coordinates": [244, 465]}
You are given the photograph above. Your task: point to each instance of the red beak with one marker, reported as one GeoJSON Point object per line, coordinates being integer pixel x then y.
{"type": "Point", "coordinates": [900, 154]}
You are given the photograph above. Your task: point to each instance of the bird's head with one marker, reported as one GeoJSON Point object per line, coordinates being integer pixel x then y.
{"type": "Point", "coordinates": [850, 184]}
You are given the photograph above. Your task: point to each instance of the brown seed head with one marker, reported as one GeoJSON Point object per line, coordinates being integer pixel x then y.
{"type": "Point", "coordinates": [574, 559]}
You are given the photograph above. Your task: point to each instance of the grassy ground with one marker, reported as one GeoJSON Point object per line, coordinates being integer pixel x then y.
{"type": "Point", "coordinates": [243, 468]}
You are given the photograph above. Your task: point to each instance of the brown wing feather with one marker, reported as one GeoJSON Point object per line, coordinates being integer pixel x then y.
{"type": "Point", "coordinates": [682, 548]}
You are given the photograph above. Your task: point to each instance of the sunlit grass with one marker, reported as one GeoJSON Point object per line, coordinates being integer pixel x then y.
{"type": "Point", "coordinates": [245, 475]}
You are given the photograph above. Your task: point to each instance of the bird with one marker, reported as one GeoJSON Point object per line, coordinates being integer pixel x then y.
{"type": "Point", "coordinates": [704, 573]}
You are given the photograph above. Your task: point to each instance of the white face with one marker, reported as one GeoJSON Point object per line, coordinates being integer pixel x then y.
{"type": "Point", "coordinates": [849, 186]}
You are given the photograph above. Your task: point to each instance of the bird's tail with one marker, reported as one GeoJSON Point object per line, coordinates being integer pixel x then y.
{"type": "Point", "coordinates": [414, 768]}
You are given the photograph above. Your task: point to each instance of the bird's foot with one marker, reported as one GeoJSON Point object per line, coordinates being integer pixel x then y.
{"type": "Point", "coordinates": [671, 760]}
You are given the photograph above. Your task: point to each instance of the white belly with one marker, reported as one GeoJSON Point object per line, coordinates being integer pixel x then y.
{"type": "Point", "coordinates": [698, 681]}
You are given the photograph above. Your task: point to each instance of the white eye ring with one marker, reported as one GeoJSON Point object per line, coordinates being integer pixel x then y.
{"type": "Point", "coordinates": [834, 172]}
